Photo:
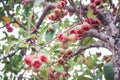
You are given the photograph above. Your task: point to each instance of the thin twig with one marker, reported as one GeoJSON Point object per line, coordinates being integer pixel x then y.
{"type": "Point", "coordinates": [21, 25]}
{"type": "Point", "coordinates": [76, 10]}
{"type": "Point", "coordinates": [46, 11]}
{"type": "Point", "coordinates": [8, 56]}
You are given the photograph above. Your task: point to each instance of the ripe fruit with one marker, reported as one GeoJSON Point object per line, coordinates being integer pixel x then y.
{"type": "Point", "coordinates": [64, 1]}
{"type": "Point", "coordinates": [60, 4]}
{"type": "Point", "coordinates": [33, 40]}
{"type": "Point", "coordinates": [36, 62]}
{"type": "Point", "coordinates": [73, 37]}
{"type": "Point", "coordinates": [73, 31]}
{"type": "Point", "coordinates": [50, 28]}
{"type": "Point", "coordinates": [101, 7]}
{"type": "Point", "coordinates": [64, 12]}
{"type": "Point", "coordinates": [92, 6]}
{"type": "Point", "coordinates": [91, 1]}
{"type": "Point", "coordinates": [28, 59]}
{"type": "Point", "coordinates": [62, 51]}
{"type": "Point", "coordinates": [32, 16]}
{"type": "Point", "coordinates": [95, 12]}
{"type": "Point", "coordinates": [56, 74]}
{"type": "Point", "coordinates": [83, 61]}
{"type": "Point", "coordinates": [86, 26]}
{"type": "Point", "coordinates": [68, 52]}
{"type": "Point", "coordinates": [80, 30]}
{"type": "Point", "coordinates": [61, 61]}
{"type": "Point", "coordinates": [43, 58]}
{"type": "Point", "coordinates": [97, 2]}
{"type": "Point", "coordinates": [7, 25]}
{"type": "Point", "coordinates": [9, 29]}
{"type": "Point", "coordinates": [64, 74]}
{"type": "Point", "coordinates": [62, 37]}
{"type": "Point", "coordinates": [63, 45]}
{"type": "Point", "coordinates": [36, 70]}
{"type": "Point", "coordinates": [52, 16]}
{"type": "Point", "coordinates": [96, 21]}
{"type": "Point", "coordinates": [57, 11]}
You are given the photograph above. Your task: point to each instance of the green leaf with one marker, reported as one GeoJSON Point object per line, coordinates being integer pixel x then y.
{"type": "Point", "coordinates": [108, 71]}
{"type": "Point", "coordinates": [59, 68]}
{"type": "Point", "coordinates": [89, 63]}
{"type": "Point", "coordinates": [17, 9]}
{"type": "Point", "coordinates": [87, 72]}
{"type": "Point", "coordinates": [89, 13]}
{"type": "Point", "coordinates": [45, 51]}
{"type": "Point", "coordinates": [23, 45]}
{"type": "Point", "coordinates": [98, 76]}
{"type": "Point", "coordinates": [55, 47]}
{"type": "Point", "coordinates": [87, 41]}
{"type": "Point", "coordinates": [8, 48]}
{"type": "Point", "coordinates": [83, 78]}
{"type": "Point", "coordinates": [43, 29]}
{"type": "Point", "coordinates": [55, 25]}
{"type": "Point", "coordinates": [43, 72]}
{"type": "Point", "coordinates": [38, 2]}
{"type": "Point", "coordinates": [49, 35]}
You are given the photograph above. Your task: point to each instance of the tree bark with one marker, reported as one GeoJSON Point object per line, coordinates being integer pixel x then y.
{"type": "Point", "coordinates": [113, 30]}
{"type": "Point", "coordinates": [116, 63]}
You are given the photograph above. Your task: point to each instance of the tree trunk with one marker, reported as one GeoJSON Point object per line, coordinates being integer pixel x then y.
{"type": "Point", "coordinates": [116, 62]}
{"type": "Point", "coordinates": [113, 30]}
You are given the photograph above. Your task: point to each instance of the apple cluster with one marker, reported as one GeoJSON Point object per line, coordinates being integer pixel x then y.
{"type": "Point", "coordinates": [94, 22]}
{"type": "Point", "coordinates": [59, 12]}
{"type": "Point", "coordinates": [34, 62]}
{"type": "Point", "coordinates": [94, 4]}
{"type": "Point", "coordinates": [8, 27]}
{"type": "Point", "coordinates": [74, 35]}
{"type": "Point", "coordinates": [53, 75]}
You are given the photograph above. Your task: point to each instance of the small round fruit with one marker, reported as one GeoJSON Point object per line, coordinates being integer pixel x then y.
{"type": "Point", "coordinates": [86, 26]}
{"type": "Point", "coordinates": [68, 52]}
{"type": "Point", "coordinates": [52, 17]}
{"type": "Point", "coordinates": [92, 6]}
{"type": "Point", "coordinates": [62, 51]}
{"type": "Point", "coordinates": [57, 11]}
{"type": "Point", "coordinates": [63, 45]}
{"type": "Point", "coordinates": [60, 4]}
{"type": "Point", "coordinates": [43, 58]}
{"type": "Point", "coordinates": [80, 30]}
{"type": "Point", "coordinates": [97, 2]}
{"type": "Point", "coordinates": [73, 31]}
{"type": "Point", "coordinates": [73, 37]}
{"type": "Point", "coordinates": [95, 12]}
{"type": "Point", "coordinates": [50, 28]}
{"type": "Point", "coordinates": [9, 29]}
{"type": "Point", "coordinates": [91, 1]}
{"type": "Point", "coordinates": [62, 37]}
{"type": "Point", "coordinates": [28, 59]}
{"type": "Point", "coordinates": [36, 70]}
{"type": "Point", "coordinates": [64, 12]}
{"type": "Point", "coordinates": [36, 62]}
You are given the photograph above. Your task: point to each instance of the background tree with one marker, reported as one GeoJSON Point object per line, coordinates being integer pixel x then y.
{"type": "Point", "coordinates": [53, 35]}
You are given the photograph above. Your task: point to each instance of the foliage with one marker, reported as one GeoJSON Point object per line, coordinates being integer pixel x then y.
{"type": "Point", "coordinates": [59, 31]}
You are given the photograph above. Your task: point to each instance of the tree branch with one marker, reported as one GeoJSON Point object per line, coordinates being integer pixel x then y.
{"type": "Point", "coordinates": [21, 25]}
{"type": "Point", "coordinates": [76, 10]}
{"type": "Point", "coordinates": [45, 12]}
{"type": "Point", "coordinates": [8, 56]}
{"type": "Point", "coordinates": [97, 44]}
